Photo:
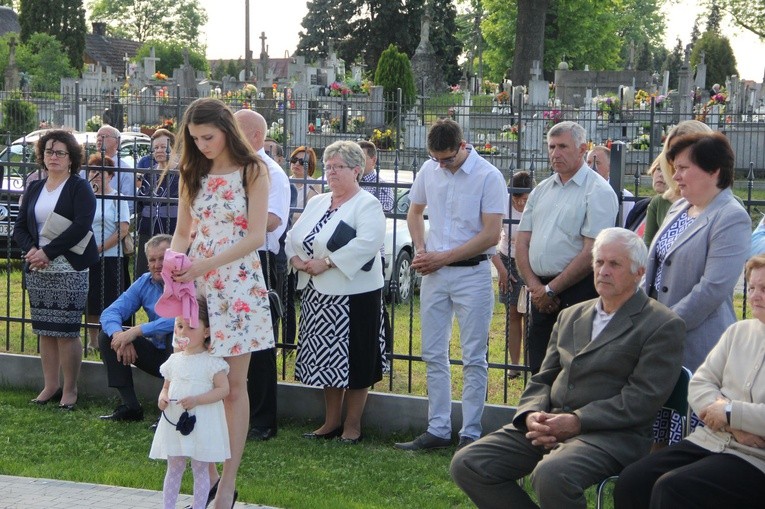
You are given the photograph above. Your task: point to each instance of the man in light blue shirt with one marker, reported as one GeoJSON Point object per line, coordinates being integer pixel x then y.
{"type": "Point", "coordinates": [758, 239]}
{"type": "Point", "coordinates": [147, 345]}
{"type": "Point", "coordinates": [553, 250]}
{"type": "Point", "coordinates": [467, 199]}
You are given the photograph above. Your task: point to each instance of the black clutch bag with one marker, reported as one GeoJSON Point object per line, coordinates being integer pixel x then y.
{"type": "Point", "coordinates": [343, 234]}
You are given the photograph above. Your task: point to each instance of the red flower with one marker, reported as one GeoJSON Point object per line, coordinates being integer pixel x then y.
{"type": "Point", "coordinates": [241, 222]}
{"type": "Point", "coordinates": [219, 335]}
{"type": "Point", "coordinates": [236, 349]}
{"type": "Point", "coordinates": [228, 194]}
{"type": "Point", "coordinates": [242, 275]}
{"type": "Point", "coordinates": [218, 284]}
{"type": "Point", "coordinates": [241, 306]}
{"type": "Point", "coordinates": [215, 183]}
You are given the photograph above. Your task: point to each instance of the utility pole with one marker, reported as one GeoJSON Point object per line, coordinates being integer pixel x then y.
{"type": "Point", "coordinates": [247, 52]}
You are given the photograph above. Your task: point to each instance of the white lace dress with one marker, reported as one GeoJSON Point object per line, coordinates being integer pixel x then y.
{"type": "Point", "coordinates": [191, 375]}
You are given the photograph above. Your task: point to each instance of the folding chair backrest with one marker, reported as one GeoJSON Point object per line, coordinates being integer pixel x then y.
{"type": "Point", "coordinates": [678, 399]}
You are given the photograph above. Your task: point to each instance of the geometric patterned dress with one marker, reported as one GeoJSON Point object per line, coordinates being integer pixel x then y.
{"type": "Point", "coordinates": [341, 337]}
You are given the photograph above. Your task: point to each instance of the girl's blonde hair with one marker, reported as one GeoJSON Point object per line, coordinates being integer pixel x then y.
{"type": "Point", "coordinates": [667, 169]}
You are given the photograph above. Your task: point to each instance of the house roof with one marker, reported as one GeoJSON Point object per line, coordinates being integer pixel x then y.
{"type": "Point", "coordinates": [109, 51]}
{"type": "Point", "coordinates": [9, 21]}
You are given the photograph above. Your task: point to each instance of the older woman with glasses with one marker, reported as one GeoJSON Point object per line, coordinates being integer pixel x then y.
{"type": "Point", "coordinates": [335, 249]}
{"type": "Point", "coordinates": [157, 198]}
{"type": "Point", "coordinates": [56, 268]}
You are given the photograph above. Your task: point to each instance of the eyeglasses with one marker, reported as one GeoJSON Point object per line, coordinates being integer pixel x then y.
{"type": "Point", "coordinates": [58, 153]}
{"type": "Point", "coordinates": [335, 168]}
{"type": "Point", "coordinates": [448, 160]}
{"type": "Point", "coordinates": [296, 160]}
{"type": "Point", "coordinates": [102, 136]}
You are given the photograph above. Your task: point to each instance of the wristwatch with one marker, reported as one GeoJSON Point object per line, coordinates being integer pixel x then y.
{"type": "Point", "coordinates": [549, 291]}
{"type": "Point", "coordinates": [728, 410]}
{"type": "Point", "coordinates": [328, 262]}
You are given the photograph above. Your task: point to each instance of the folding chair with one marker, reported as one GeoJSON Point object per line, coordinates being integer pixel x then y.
{"type": "Point", "coordinates": [677, 402]}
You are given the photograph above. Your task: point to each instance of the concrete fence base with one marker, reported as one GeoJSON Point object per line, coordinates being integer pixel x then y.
{"type": "Point", "coordinates": [387, 413]}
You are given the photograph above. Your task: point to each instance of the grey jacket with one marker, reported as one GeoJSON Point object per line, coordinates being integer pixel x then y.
{"type": "Point", "coordinates": [701, 269]}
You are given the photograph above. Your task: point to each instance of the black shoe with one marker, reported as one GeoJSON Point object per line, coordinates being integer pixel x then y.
{"type": "Point", "coordinates": [326, 436]}
{"type": "Point", "coordinates": [124, 413]}
{"type": "Point", "coordinates": [464, 442]}
{"type": "Point", "coordinates": [424, 442]}
{"type": "Point", "coordinates": [154, 425]}
{"type": "Point", "coordinates": [56, 395]}
{"type": "Point", "coordinates": [211, 494]}
{"type": "Point", "coordinates": [261, 434]}
{"type": "Point", "coordinates": [350, 441]}
{"type": "Point", "coordinates": [69, 407]}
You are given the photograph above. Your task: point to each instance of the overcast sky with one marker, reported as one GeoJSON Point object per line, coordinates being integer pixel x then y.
{"type": "Point", "coordinates": [280, 20]}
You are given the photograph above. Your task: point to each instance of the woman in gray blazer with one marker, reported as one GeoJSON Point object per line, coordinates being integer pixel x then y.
{"type": "Point", "coordinates": [700, 249]}
{"type": "Point", "coordinates": [335, 250]}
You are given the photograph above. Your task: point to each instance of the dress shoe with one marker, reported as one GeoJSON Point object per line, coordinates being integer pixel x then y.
{"type": "Point", "coordinates": [211, 494]}
{"type": "Point", "coordinates": [56, 395]}
{"type": "Point", "coordinates": [424, 442]}
{"type": "Point", "coordinates": [69, 407]}
{"type": "Point", "coordinates": [464, 442]}
{"type": "Point", "coordinates": [261, 434]}
{"type": "Point", "coordinates": [326, 436]}
{"type": "Point", "coordinates": [124, 413]}
{"type": "Point", "coordinates": [154, 425]}
{"type": "Point", "coordinates": [350, 441]}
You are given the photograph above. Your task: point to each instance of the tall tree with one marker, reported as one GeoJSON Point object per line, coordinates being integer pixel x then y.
{"type": "Point", "coordinates": [714, 18]}
{"type": "Point", "coordinates": [360, 30]}
{"type": "Point", "coordinates": [326, 24]}
{"type": "Point", "coordinates": [748, 14]}
{"type": "Point", "coordinates": [529, 38]}
{"type": "Point", "coordinates": [585, 33]}
{"type": "Point", "coordinates": [673, 63]}
{"type": "Point", "coordinates": [718, 55]}
{"type": "Point", "coordinates": [141, 20]}
{"type": "Point", "coordinates": [170, 56]}
{"type": "Point", "coordinates": [65, 22]}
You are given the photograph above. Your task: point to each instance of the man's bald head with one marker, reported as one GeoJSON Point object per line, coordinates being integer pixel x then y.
{"type": "Point", "coordinates": [253, 126]}
{"type": "Point", "coordinates": [602, 156]}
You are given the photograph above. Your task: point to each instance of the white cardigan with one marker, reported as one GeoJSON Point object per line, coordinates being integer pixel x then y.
{"type": "Point", "coordinates": [364, 213]}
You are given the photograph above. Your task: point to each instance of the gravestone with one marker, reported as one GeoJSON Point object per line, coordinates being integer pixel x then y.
{"type": "Point", "coordinates": [700, 80]}
{"type": "Point", "coordinates": [150, 64]}
{"type": "Point", "coordinates": [425, 65]}
{"type": "Point", "coordinates": [12, 78]}
{"type": "Point", "coordinates": [188, 79]}
{"type": "Point", "coordinates": [685, 89]}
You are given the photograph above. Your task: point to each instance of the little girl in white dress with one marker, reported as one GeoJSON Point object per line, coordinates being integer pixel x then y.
{"type": "Point", "coordinates": [195, 382]}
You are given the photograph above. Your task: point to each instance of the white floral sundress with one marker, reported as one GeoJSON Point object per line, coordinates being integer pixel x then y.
{"type": "Point", "coordinates": [237, 298]}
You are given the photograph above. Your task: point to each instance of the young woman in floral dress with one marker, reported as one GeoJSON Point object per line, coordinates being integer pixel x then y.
{"type": "Point", "coordinates": [224, 202]}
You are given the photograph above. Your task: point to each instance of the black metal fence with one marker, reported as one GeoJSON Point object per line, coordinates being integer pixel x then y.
{"type": "Point", "coordinates": [509, 136]}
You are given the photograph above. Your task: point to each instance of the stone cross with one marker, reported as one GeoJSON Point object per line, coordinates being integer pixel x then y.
{"type": "Point", "coordinates": [150, 64]}
{"type": "Point", "coordinates": [263, 50]}
{"type": "Point", "coordinates": [536, 70]}
{"type": "Point", "coordinates": [127, 63]}
{"type": "Point", "coordinates": [12, 51]}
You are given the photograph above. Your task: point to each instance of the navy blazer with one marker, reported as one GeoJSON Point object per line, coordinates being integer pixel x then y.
{"type": "Point", "coordinates": [76, 203]}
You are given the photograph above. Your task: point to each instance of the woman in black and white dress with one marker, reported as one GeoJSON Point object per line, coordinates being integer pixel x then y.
{"type": "Point", "coordinates": [335, 249]}
{"type": "Point", "coordinates": [57, 277]}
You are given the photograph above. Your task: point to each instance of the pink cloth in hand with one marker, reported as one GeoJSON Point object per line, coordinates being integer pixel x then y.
{"type": "Point", "coordinates": [178, 299]}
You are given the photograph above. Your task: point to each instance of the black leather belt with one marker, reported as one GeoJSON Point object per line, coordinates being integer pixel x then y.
{"type": "Point", "coordinates": [470, 262]}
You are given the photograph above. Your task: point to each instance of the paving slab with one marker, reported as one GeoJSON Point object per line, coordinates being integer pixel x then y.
{"type": "Point", "coordinates": [32, 493]}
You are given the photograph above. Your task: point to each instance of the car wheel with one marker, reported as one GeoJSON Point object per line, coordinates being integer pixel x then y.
{"type": "Point", "coordinates": [402, 276]}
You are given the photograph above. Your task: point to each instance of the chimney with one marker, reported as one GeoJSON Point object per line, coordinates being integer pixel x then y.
{"type": "Point", "coordinates": [99, 28]}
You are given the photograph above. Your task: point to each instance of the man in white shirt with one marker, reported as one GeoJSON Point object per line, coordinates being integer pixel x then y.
{"type": "Point", "coordinates": [261, 379]}
{"type": "Point", "coordinates": [467, 199]}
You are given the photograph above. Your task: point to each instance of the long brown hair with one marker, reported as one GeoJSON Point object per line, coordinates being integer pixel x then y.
{"type": "Point", "coordinates": [194, 165]}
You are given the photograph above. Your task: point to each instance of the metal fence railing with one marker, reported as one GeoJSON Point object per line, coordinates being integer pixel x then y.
{"type": "Point", "coordinates": [512, 138]}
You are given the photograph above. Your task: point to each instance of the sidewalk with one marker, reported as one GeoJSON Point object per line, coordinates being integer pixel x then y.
{"type": "Point", "coordinates": [31, 493]}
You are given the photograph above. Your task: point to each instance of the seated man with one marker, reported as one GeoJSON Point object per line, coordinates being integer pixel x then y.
{"type": "Point", "coordinates": [610, 365]}
{"type": "Point", "coordinates": [147, 345]}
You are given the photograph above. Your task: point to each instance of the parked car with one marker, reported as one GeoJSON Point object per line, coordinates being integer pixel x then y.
{"type": "Point", "coordinates": [17, 161]}
{"type": "Point", "coordinates": [400, 280]}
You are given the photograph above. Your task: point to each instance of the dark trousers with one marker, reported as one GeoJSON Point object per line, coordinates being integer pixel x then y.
{"type": "Point", "coordinates": [542, 323]}
{"type": "Point", "coordinates": [149, 359]}
{"type": "Point", "coordinates": [290, 318]}
{"type": "Point", "coordinates": [686, 475]}
{"type": "Point", "coordinates": [261, 376]}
